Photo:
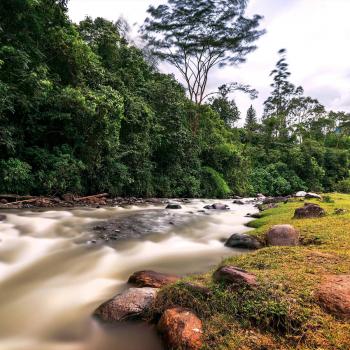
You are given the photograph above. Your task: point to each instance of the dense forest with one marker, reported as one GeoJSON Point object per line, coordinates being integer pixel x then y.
{"type": "Point", "coordinates": [83, 110]}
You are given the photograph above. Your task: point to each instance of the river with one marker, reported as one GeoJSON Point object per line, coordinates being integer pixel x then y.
{"type": "Point", "coordinates": [57, 267]}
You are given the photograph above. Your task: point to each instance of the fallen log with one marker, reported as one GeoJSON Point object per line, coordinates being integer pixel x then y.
{"type": "Point", "coordinates": [23, 201]}
{"type": "Point", "coordinates": [101, 195]}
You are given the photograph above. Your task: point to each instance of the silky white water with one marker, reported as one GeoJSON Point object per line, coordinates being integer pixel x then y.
{"type": "Point", "coordinates": [52, 277]}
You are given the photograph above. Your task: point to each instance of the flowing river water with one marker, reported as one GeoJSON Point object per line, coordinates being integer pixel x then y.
{"type": "Point", "coordinates": [58, 266]}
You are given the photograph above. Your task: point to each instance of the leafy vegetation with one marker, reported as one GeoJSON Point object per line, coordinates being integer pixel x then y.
{"type": "Point", "coordinates": [282, 313]}
{"type": "Point", "coordinates": [83, 110]}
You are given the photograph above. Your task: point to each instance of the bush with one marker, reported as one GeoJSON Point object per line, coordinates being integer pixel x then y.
{"type": "Point", "coordinates": [213, 184]}
{"type": "Point", "coordinates": [343, 186]}
{"type": "Point", "coordinates": [15, 176]}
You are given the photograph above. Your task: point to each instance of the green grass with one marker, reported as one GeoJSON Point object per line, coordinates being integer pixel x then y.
{"type": "Point", "coordinates": [282, 313]}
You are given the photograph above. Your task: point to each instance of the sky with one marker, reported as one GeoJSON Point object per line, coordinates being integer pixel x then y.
{"type": "Point", "coordinates": [316, 34]}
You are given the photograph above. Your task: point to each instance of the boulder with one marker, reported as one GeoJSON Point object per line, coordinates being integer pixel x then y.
{"type": "Point", "coordinates": [282, 235]}
{"type": "Point", "coordinates": [333, 296]}
{"type": "Point", "coordinates": [173, 206]}
{"type": "Point", "coordinates": [217, 206]}
{"type": "Point", "coordinates": [309, 210]}
{"type": "Point", "coordinates": [152, 279]}
{"type": "Point", "coordinates": [133, 303]}
{"type": "Point", "coordinates": [260, 196]}
{"type": "Point", "coordinates": [2, 217]}
{"type": "Point", "coordinates": [181, 329]}
{"type": "Point", "coordinates": [300, 194]}
{"type": "Point", "coordinates": [235, 276]}
{"type": "Point", "coordinates": [313, 195]}
{"type": "Point", "coordinates": [220, 206]}
{"type": "Point", "coordinates": [239, 202]}
{"type": "Point", "coordinates": [242, 240]}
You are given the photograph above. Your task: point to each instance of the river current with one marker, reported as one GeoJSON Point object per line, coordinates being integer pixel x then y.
{"type": "Point", "coordinates": [54, 271]}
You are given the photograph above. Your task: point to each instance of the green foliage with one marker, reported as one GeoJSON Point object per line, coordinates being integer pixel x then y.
{"type": "Point", "coordinates": [213, 184]}
{"type": "Point", "coordinates": [343, 186]}
{"type": "Point", "coordinates": [15, 176]}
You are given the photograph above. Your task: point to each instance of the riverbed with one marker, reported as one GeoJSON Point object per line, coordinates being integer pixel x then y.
{"type": "Point", "coordinates": [57, 266]}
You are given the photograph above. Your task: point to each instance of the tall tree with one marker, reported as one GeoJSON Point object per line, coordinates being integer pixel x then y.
{"type": "Point", "coordinates": [251, 120]}
{"type": "Point", "coordinates": [197, 35]}
{"type": "Point", "coordinates": [225, 107]}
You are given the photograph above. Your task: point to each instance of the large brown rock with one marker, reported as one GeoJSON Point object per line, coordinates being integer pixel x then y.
{"type": "Point", "coordinates": [133, 303]}
{"type": "Point", "coordinates": [309, 210]}
{"type": "Point", "coordinates": [181, 329]}
{"type": "Point", "coordinates": [334, 296]}
{"type": "Point", "coordinates": [235, 276]}
{"type": "Point", "coordinates": [282, 235]}
{"type": "Point", "coordinates": [152, 279]}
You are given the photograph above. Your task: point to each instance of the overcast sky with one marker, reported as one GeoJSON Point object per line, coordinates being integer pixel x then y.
{"type": "Point", "coordinates": [316, 34]}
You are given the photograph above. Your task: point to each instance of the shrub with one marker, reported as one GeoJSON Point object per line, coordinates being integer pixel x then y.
{"type": "Point", "coordinates": [213, 184]}
{"type": "Point", "coordinates": [343, 186]}
{"type": "Point", "coordinates": [15, 176]}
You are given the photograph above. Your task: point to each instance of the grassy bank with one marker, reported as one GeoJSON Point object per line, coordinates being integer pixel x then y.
{"type": "Point", "coordinates": [283, 312]}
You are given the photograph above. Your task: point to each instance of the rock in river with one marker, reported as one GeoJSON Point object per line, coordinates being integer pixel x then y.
{"type": "Point", "coordinates": [133, 303]}
{"type": "Point", "coordinates": [181, 329]}
{"type": "Point", "coordinates": [309, 210]}
{"type": "Point", "coordinates": [173, 206]}
{"type": "Point", "coordinates": [2, 217]}
{"type": "Point", "coordinates": [235, 276]}
{"type": "Point", "coordinates": [152, 279]}
{"type": "Point", "coordinates": [242, 240]}
{"type": "Point", "coordinates": [217, 206]}
{"type": "Point", "coordinates": [282, 235]}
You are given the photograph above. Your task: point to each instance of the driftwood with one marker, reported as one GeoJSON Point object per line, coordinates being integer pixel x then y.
{"type": "Point", "coordinates": [15, 197]}
{"type": "Point", "coordinates": [23, 201]}
{"type": "Point", "coordinates": [101, 195]}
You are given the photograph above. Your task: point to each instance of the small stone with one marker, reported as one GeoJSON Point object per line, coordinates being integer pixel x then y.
{"type": "Point", "coordinates": [235, 276]}
{"type": "Point", "coordinates": [282, 235]}
{"type": "Point", "coordinates": [181, 329]}
{"type": "Point", "coordinates": [220, 206]}
{"type": "Point", "coordinates": [152, 279]}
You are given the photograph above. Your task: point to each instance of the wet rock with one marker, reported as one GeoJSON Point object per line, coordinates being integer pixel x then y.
{"type": "Point", "coordinates": [313, 195]}
{"type": "Point", "coordinates": [242, 240]}
{"type": "Point", "coordinates": [235, 276]}
{"type": "Point", "coordinates": [300, 194]}
{"type": "Point", "coordinates": [282, 235]}
{"type": "Point", "coordinates": [181, 329]}
{"type": "Point", "coordinates": [309, 210]}
{"type": "Point", "coordinates": [133, 303]}
{"type": "Point", "coordinates": [239, 202]}
{"type": "Point", "coordinates": [152, 279]}
{"type": "Point", "coordinates": [217, 206]}
{"type": "Point", "coordinates": [3, 201]}
{"type": "Point", "coordinates": [2, 217]}
{"type": "Point", "coordinates": [254, 215]}
{"type": "Point", "coordinates": [263, 207]}
{"type": "Point", "coordinates": [334, 296]}
{"type": "Point", "coordinates": [173, 206]}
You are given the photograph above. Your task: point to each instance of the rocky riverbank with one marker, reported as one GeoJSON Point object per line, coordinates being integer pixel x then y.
{"type": "Point", "coordinates": [292, 293]}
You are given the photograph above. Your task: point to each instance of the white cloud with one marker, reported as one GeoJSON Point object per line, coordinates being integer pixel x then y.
{"type": "Point", "coordinates": [316, 34]}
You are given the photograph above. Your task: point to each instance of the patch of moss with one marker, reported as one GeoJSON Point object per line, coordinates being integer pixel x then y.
{"type": "Point", "coordinates": [282, 313]}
